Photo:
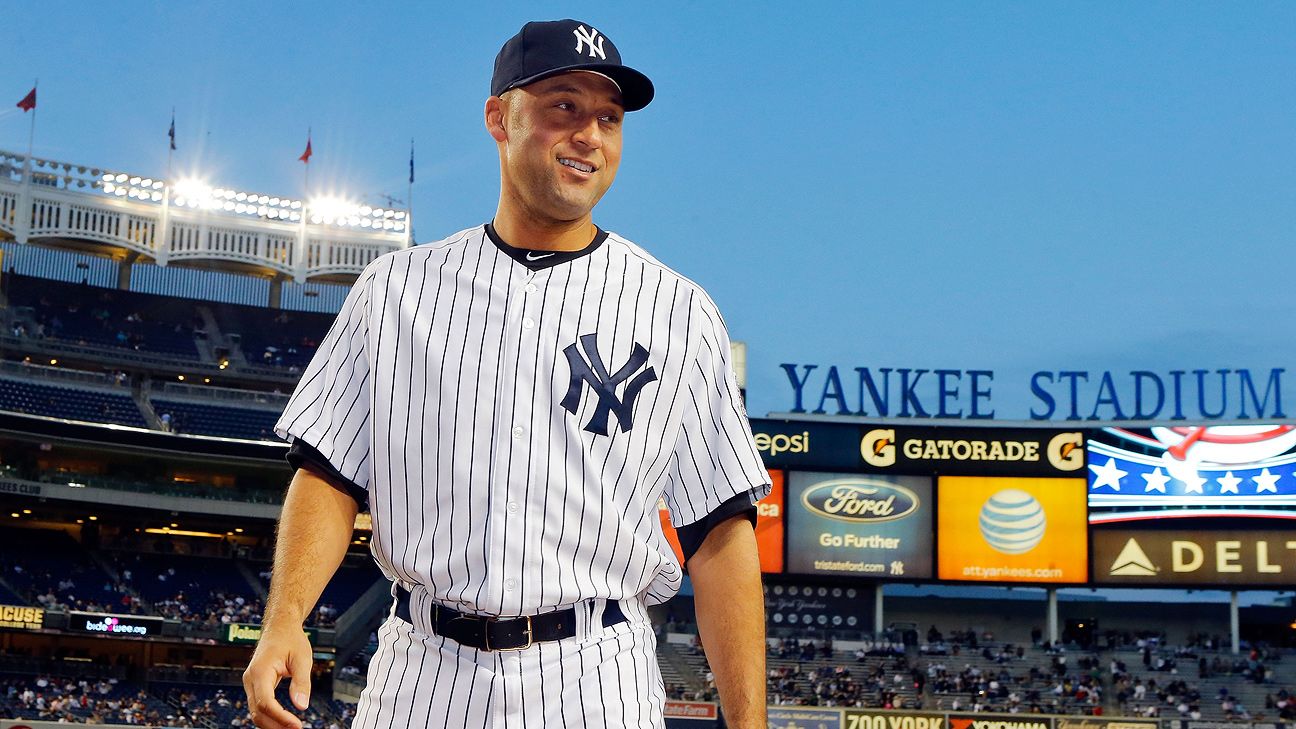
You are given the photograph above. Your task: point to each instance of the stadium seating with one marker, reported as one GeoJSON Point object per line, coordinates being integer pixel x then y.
{"type": "Point", "coordinates": [72, 403]}
{"type": "Point", "coordinates": [49, 568]}
{"type": "Point", "coordinates": [79, 700]}
{"type": "Point", "coordinates": [218, 420]}
{"type": "Point", "coordinates": [110, 318]}
{"type": "Point", "coordinates": [193, 589]}
{"type": "Point", "coordinates": [273, 338]}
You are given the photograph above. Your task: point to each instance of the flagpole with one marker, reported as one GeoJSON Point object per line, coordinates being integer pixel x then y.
{"type": "Point", "coordinates": [162, 252]}
{"type": "Point", "coordinates": [29, 167]}
{"type": "Point", "coordinates": [300, 264]}
{"type": "Point", "coordinates": [409, 201]}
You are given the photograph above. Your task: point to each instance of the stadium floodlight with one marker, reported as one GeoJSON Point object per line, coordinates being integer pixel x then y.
{"type": "Point", "coordinates": [332, 207]}
{"type": "Point", "coordinates": [192, 189]}
{"type": "Point", "coordinates": [121, 177]}
{"type": "Point", "coordinates": [108, 188]}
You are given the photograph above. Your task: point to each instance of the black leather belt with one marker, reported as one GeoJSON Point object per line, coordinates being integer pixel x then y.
{"type": "Point", "coordinates": [503, 634]}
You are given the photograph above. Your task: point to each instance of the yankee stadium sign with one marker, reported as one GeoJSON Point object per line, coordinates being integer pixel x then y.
{"type": "Point", "coordinates": [1105, 395]}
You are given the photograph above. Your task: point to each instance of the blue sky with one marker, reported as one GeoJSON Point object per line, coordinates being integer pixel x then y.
{"type": "Point", "coordinates": [1003, 186]}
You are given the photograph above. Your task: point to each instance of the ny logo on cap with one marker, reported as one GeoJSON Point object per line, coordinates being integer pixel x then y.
{"type": "Point", "coordinates": [595, 374]}
{"type": "Point", "coordinates": [589, 38]}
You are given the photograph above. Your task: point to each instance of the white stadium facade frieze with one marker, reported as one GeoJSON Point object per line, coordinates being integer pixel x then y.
{"type": "Point", "coordinates": [167, 221]}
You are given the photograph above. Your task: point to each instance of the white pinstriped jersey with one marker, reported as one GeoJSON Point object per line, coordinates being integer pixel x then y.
{"type": "Point", "coordinates": [514, 429]}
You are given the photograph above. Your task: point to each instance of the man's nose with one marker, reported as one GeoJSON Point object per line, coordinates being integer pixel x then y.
{"type": "Point", "coordinates": [589, 133]}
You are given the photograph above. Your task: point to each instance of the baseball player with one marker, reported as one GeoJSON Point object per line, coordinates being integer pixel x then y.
{"type": "Point", "coordinates": [510, 404]}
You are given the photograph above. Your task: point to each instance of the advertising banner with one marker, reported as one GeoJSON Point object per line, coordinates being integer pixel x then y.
{"type": "Point", "coordinates": [860, 525]}
{"type": "Point", "coordinates": [1002, 721]}
{"type": "Point", "coordinates": [131, 626]}
{"type": "Point", "coordinates": [804, 717]}
{"type": "Point", "coordinates": [1201, 557]}
{"type": "Point", "coordinates": [1192, 471]}
{"type": "Point", "coordinates": [695, 710]}
{"type": "Point", "coordinates": [1091, 722]}
{"type": "Point", "coordinates": [247, 633]}
{"type": "Point", "coordinates": [21, 617]}
{"type": "Point", "coordinates": [860, 719]}
{"type": "Point", "coordinates": [974, 451]}
{"type": "Point", "coordinates": [785, 444]}
{"type": "Point", "coordinates": [769, 526]}
{"type": "Point", "coordinates": [1029, 530]}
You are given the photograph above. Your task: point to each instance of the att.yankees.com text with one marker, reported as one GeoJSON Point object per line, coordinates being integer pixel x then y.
{"type": "Point", "coordinates": [1039, 573]}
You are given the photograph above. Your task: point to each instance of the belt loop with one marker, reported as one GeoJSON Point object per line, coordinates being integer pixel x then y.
{"type": "Point", "coordinates": [596, 607]}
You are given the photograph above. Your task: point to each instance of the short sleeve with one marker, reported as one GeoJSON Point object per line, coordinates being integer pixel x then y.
{"type": "Point", "coordinates": [329, 410]}
{"type": "Point", "coordinates": [715, 456]}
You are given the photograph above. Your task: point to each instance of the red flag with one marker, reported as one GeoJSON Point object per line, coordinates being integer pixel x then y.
{"type": "Point", "coordinates": [29, 101]}
{"type": "Point", "coordinates": [306, 155]}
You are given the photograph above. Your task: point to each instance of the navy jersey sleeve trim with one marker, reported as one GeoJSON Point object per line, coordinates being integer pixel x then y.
{"type": "Point", "coordinates": [302, 454]}
{"type": "Point", "coordinates": [692, 535]}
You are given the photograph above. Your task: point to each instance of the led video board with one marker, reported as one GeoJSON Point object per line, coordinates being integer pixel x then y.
{"type": "Point", "coordinates": [1140, 474]}
{"type": "Point", "coordinates": [860, 525]}
{"type": "Point", "coordinates": [1194, 557]}
{"type": "Point", "coordinates": [1012, 529]}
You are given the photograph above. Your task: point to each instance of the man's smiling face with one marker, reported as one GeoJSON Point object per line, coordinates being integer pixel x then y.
{"type": "Point", "coordinates": [562, 144]}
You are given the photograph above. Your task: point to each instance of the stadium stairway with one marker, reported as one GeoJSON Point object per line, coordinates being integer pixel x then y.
{"type": "Point", "coordinates": [146, 408]}
{"type": "Point", "coordinates": [676, 670]}
{"type": "Point", "coordinates": [253, 579]}
{"type": "Point", "coordinates": [351, 632]}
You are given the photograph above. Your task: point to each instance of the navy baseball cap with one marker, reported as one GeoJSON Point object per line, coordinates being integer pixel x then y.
{"type": "Point", "coordinates": [544, 49]}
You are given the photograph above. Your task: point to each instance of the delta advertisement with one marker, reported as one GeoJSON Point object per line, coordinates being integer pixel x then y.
{"type": "Point", "coordinates": [803, 717]}
{"type": "Point", "coordinates": [1138, 474]}
{"type": "Point", "coordinates": [1012, 529]}
{"type": "Point", "coordinates": [769, 527]}
{"type": "Point", "coordinates": [1195, 557]}
{"type": "Point", "coordinates": [861, 525]}
{"type": "Point", "coordinates": [21, 617]}
{"type": "Point", "coordinates": [117, 626]}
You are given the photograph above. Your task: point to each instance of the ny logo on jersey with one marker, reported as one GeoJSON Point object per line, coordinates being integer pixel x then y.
{"type": "Point", "coordinates": [589, 38]}
{"type": "Point", "coordinates": [594, 373]}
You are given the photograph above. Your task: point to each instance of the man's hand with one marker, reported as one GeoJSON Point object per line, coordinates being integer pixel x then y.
{"type": "Point", "coordinates": [281, 652]}
{"type": "Point", "coordinates": [314, 531]}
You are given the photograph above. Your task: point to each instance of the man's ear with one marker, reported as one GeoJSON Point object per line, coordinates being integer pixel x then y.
{"type": "Point", "coordinates": [494, 115]}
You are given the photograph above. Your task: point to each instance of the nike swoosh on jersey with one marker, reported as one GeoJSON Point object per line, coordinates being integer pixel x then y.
{"type": "Point", "coordinates": [533, 256]}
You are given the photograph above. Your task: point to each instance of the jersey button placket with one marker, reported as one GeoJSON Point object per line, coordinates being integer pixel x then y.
{"type": "Point", "coordinates": [524, 335]}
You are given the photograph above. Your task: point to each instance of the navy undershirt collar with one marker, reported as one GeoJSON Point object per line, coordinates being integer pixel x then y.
{"type": "Point", "coordinates": [536, 260]}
